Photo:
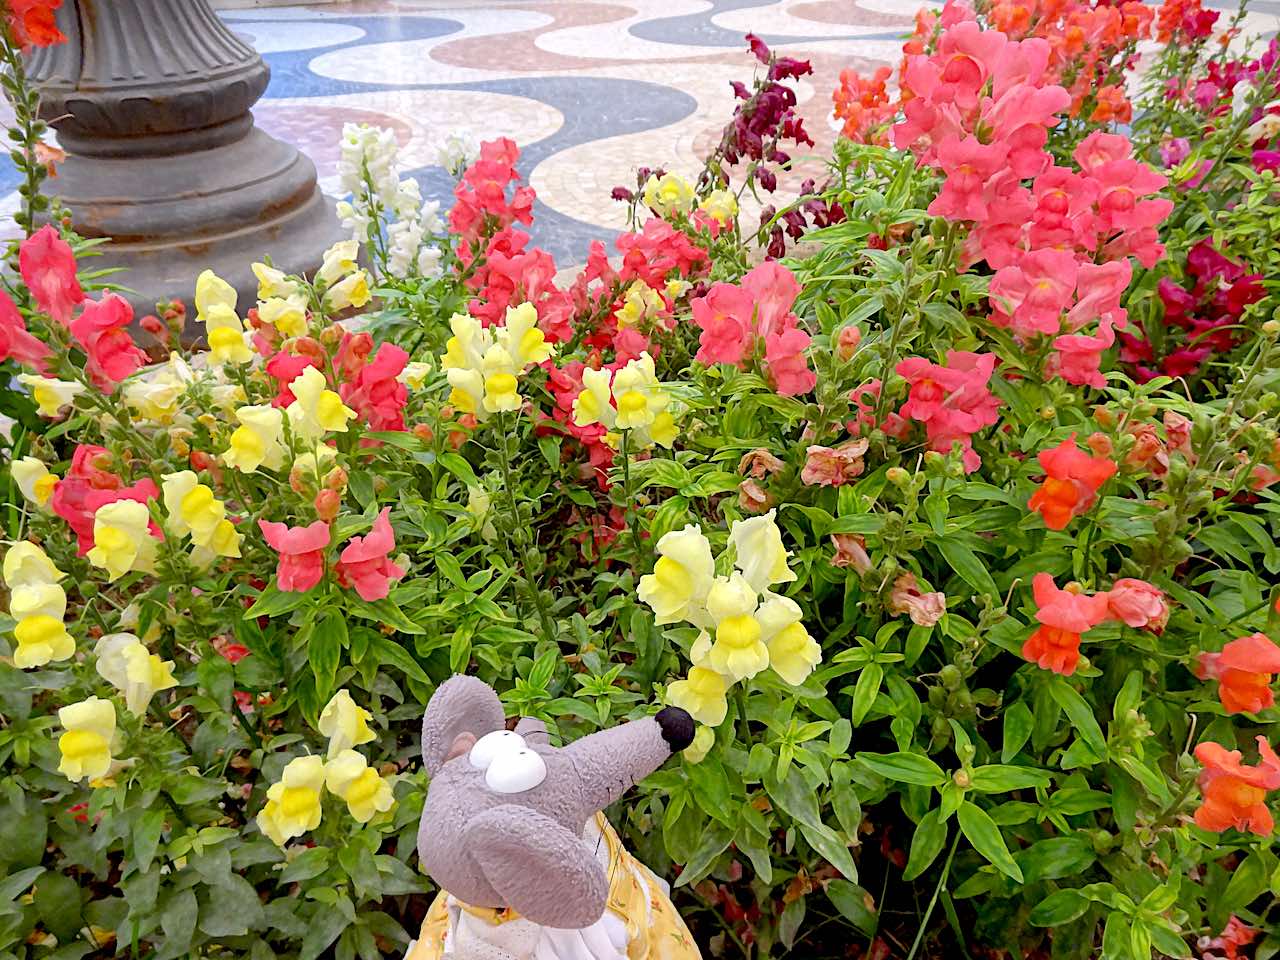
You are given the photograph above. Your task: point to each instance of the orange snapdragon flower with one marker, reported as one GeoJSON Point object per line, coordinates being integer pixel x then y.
{"type": "Point", "coordinates": [1235, 793]}
{"type": "Point", "coordinates": [1064, 615]}
{"type": "Point", "coordinates": [1243, 670]}
{"type": "Point", "coordinates": [1071, 484]}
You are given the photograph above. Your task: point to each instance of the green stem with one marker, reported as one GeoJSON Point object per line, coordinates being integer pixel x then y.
{"type": "Point", "coordinates": [744, 727]}
{"type": "Point", "coordinates": [933, 901]}
{"type": "Point", "coordinates": [521, 534]}
{"type": "Point", "coordinates": [629, 493]}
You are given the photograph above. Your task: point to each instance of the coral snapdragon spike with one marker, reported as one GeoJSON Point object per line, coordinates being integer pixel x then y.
{"type": "Point", "coordinates": [1244, 670]}
{"type": "Point", "coordinates": [1071, 484]}
{"type": "Point", "coordinates": [31, 23]}
{"type": "Point", "coordinates": [1234, 792]}
{"type": "Point", "coordinates": [952, 401]}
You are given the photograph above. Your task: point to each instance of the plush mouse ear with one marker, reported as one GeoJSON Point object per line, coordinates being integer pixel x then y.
{"type": "Point", "coordinates": [541, 870]}
{"type": "Point", "coordinates": [460, 705]}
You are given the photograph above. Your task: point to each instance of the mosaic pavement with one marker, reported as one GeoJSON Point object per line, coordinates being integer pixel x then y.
{"type": "Point", "coordinates": [589, 89]}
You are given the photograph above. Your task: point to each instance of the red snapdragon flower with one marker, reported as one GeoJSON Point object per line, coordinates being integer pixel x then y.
{"type": "Point", "coordinates": [364, 563]}
{"type": "Point", "coordinates": [1235, 793]}
{"type": "Point", "coordinates": [1064, 615]}
{"type": "Point", "coordinates": [16, 343]}
{"type": "Point", "coordinates": [48, 269]}
{"type": "Point", "coordinates": [1071, 484]}
{"type": "Point", "coordinates": [301, 549]}
{"type": "Point", "coordinates": [1244, 670]}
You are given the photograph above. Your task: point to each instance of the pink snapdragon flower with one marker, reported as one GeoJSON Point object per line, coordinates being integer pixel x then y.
{"type": "Point", "coordinates": [102, 329]}
{"type": "Point", "coordinates": [364, 563]}
{"type": "Point", "coordinates": [952, 401]}
{"type": "Point", "coordinates": [301, 549]}
{"type": "Point", "coordinates": [48, 268]}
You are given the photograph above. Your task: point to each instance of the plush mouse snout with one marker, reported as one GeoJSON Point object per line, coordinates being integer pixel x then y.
{"type": "Point", "coordinates": [677, 727]}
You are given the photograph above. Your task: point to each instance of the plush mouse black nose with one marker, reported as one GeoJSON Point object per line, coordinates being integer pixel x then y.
{"type": "Point", "coordinates": [677, 727]}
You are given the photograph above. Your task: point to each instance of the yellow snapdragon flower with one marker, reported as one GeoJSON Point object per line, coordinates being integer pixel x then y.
{"type": "Point", "coordinates": [350, 777]}
{"type": "Point", "coordinates": [677, 588]}
{"type": "Point", "coordinates": [338, 261]}
{"type": "Point", "coordinates": [668, 194]}
{"type": "Point", "coordinates": [258, 441]}
{"type": "Point", "coordinates": [739, 651]}
{"type": "Point", "coordinates": [132, 669]}
{"type": "Point", "coordinates": [640, 302]}
{"type": "Point", "coordinates": [286, 314]}
{"type": "Point", "coordinates": [793, 654]}
{"type": "Point", "coordinates": [50, 395]}
{"type": "Point", "coordinates": [273, 282]}
{"type": "Point", "coordinates": [194, 510]}
{"type": "Point", "coordinates": [345, 723]}
{"type": "Point", "coordinates": [86, 746]}
{"type": "Point", "coordinates": [703, 740]}
{"type": "Point", "coordinates": [720, 205]}
{"type": "Point", "coordinates": [293, 804]}
{"type": "Point", "coordinates": [39, 608]}
{"type": "Point", "coordinates": [212, 291]}
{"type": "Point", "coordinates": [631, 399]}
{"type": "Point", "coordinates": [26, 563]}
{"type": "Point", "coordinates": [351, 291]}
{"type": "Point", "coordinates": [415, 374]}
{"type": "Point", "coordinates": [121, 539]}
{"type": "Point", "coordinates": [316, 409]}
{"type": "Point", "coordinates": [484, 366]}
{"type": "Point", "coordinates": [225, 334]}
{"type": "Point", "coordinates": [34, 480]}
{"type": "Point", "coordinates": [760, 554]}
{"type": "Point", "coordinates": [702, 694]}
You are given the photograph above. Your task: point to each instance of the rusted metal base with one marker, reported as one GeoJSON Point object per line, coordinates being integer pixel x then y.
{"type": "Point", "coordinates": [151, 101]}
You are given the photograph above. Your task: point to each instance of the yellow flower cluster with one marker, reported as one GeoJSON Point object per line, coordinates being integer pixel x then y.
{"type": "Point", "coordinates": [720, 205]}
{"type": "Point", "coordinates": [38, 604]}
{"type": "Point", "coordinates": [216, 309]}
{"type": "Point", "coordinates": [258, 441]}
{"type": "Point", "coordinates": [668, 194]}
{"type": "Point", "coordinates": [640, 302]}
{"type": "Point", "coordinates": [194, 510]}
{"type": "Point", "coordinates": [630, 399]}
{"type": "Point", "coordinates": [126, 664]}
{"type": "Point", "coordinates": [348, 285]}
{"type": "Point", "coordinates": [745, 628]}
{"type": "Point", "coordinates": [281, 301]}
{"type": "Point", "coordinates": [293, 804]}
{"type": "Point", "coordinates": [484, 366]}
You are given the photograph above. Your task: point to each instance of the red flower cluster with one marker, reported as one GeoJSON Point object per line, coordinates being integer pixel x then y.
{"type": "Point", "coordinates": [31, 23]}
{"type": "Point", "coordinates": [1201, 321]}
{"type": "Point", "coordinates": [737, 319]}
{"type": "Point", "coordinates": [1235, 793]}
{"type": "Point", "coordinates": [371, 387]}
{"type": "Point", "coordinates": [1066, 614]}
{"type": "Point", "coordinates": [481, 208]}
{"type": "Point", "coordinates": [864, 105]}
{"type": "Point", "coordinates": [1184, 21]}
{"type": "Point", "coordinates": [951, 400]}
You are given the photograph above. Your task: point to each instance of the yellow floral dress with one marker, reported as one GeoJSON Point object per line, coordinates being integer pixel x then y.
{"type": "Point", "coordinates": [637, 899]}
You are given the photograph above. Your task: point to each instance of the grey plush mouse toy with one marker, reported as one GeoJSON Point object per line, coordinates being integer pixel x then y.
{"type": "Point", "coordinates": [513, 834]}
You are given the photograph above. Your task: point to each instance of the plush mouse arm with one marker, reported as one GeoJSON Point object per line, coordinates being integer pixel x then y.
{"type": "Point", "coordinates": [541, 870]}
{"type": "Point", "coordinates": [611, 762]}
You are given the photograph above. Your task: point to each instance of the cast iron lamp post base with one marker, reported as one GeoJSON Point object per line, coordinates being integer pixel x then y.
{"type": "Point", "coordinates": [151, 100]}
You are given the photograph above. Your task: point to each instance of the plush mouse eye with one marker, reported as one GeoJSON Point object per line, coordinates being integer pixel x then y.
{"type": "Point", "coordinates": [492, 744]}
{"type": "Point", "coordinates": [515, 772]}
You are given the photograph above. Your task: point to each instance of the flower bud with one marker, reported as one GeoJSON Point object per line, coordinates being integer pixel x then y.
{"type": "Point", "coordinates": [1104, 418]}
{"type": "Point", "coordinates": [298, 480]}
{"type": "Point", "coordinates": [898, 477]}
{"type": "Point", "coordinates": [1100, 444]}
{"type": "Point", "coordinates": [962, 779]}
{"type": "Point", "coordinates": [200, 460]}
{"type": "Point", "coordinates": [336, 479]}
{"type": "Point", "coordinates": [1048, 412]}
{"type": "Point", "coordinates": [331, 335]}
{"type": "Point", "coordinates": [847, 341]}
{"type": "Point", "coordinates": [1271, 327]}
{"type": "Point", "coordinates": [327, 503]}
{"type": "Point", "coordinates": [423, 432]}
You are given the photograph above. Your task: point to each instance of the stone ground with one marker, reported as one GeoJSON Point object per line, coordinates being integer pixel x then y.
{"type": "Point", "coordinates": [589, 89]}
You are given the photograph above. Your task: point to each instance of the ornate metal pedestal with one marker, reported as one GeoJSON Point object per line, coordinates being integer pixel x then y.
{"type": "Point", "coordinates": [151, 101]}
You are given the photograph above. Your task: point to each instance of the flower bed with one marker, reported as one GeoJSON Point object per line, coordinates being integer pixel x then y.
{"type": "Point", "coordinates": [955, 532]}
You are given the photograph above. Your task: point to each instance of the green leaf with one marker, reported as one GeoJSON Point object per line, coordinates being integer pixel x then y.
{"type": "Point", "coordinates": [851, 900]}
{"type": "Point", "coordinates": [384, 611]}
{"type": "Point", "coordinates": [789, 922]}
{"type": "Point", "coordinates": [325, 927]}
{"type": "Point", "coordinates": [1248, 881]}
{"type": "Point", "coordinates": [1000, 778]}
{"type": "Point", "coordinates": [459, 467]}
{"type": "Point", "coordinates": [1116, 941]}
{"type": "Point", "coordinates": [324, 651]}
{"type": "Point", "coordinates": [146, 837]}
{"type": "Point", "coordinates": [836, 852]}
{"type": "Point", "coordinates": [310, 863]}
{"type": "Point", "coordinates": [1081, 715]}
{"type": "Point", "coordinates": [864, 692]}
{"type": "Point", "coordinates": [904, 768]}
{"type": "Point", "coordinates": [981, 831]}
{"type": "Point", "coordinates": [1056, 857]}
{"type": "Point", "coordinates": [966, 563]}
{"type": "Point", "coordinates": [57, 902]}
{"type": "Point", "coordinates": [715, 840]}
{"type": "Point", "coordinates": [273, 602]}
{"type": "Point", "coordinates": [930, 837]}
{"type": "Point", "coordinates": [1059, 908]}
{"type": "Point", "coordinates": [390, 652]}
{"type": "Point", "coordinates": [1017, 729]}
{"type": "Point", "coordinates": [178, 920]}
{"type": "Point", "coordinates": [750, 843]}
